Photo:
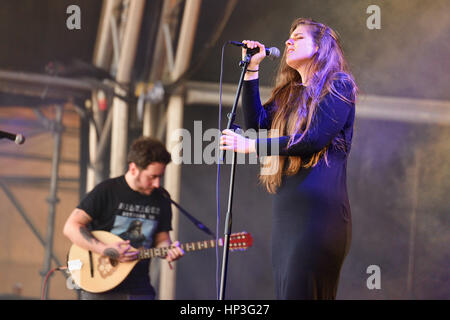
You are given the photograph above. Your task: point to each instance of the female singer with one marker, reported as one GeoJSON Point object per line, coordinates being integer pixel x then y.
{"type": "Point", "coordinates": [310, 116]}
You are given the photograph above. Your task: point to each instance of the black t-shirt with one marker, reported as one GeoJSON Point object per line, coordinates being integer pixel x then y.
{"type": "Point", "coordinates": [115, 207]}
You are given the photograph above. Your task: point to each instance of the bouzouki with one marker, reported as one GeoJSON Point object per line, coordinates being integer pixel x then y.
{"type": "Point", "coordinates": [95, 273]}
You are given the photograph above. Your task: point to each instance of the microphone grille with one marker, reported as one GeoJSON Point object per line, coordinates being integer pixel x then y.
{"type": "Point", "coordinates": [20, 139]}
{"type": "Point", "coordinates": [274, 53]}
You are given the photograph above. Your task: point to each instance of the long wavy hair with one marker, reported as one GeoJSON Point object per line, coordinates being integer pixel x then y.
{"type": "Point", "coordinates": [293, 105]}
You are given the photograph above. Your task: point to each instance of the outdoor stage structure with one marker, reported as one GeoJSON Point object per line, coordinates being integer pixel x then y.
{"type": "Point", "coordinates": [117, 40]}
{"type": "Point", "coordinates": [104, 107]}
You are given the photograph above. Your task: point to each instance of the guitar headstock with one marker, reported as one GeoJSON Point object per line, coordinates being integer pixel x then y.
{"type": "Point", "coordinates": [240, 241]}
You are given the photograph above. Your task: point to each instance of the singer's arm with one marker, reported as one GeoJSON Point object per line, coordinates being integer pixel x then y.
{"type": "Point", "coordinates": [251, 75]}
{"type": "Point", "coordinates": [331, 117]}
{"type": "Point", "coordinates": [255, 115]}
{"type": "Point", "coordinates": [253, 67]}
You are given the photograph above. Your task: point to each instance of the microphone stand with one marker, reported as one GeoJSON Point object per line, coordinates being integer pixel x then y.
{"type": "Point", "coordinates": [228, 218]}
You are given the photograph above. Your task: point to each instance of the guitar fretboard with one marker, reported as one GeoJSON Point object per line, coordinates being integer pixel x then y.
{"type": "Point", "coordinates": [189, 246]}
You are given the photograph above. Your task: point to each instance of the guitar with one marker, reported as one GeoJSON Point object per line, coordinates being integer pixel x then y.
{"type": "Point", "coordinates": [98, 273]}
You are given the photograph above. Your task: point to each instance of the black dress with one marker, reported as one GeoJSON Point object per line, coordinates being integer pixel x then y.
{"type": "Point", "coordinates": [311, 220]}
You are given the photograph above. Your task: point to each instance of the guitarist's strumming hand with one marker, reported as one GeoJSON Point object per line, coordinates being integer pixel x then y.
{"type": "Point", "coordinates": [120, 251]}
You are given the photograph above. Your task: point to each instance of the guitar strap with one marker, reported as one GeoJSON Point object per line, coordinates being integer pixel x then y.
{"type": "Point", "coordinates": [196, 222]}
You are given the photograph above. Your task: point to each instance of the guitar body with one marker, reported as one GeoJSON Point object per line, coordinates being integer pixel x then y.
{"type": "Point", "coordinates": [95, 273]}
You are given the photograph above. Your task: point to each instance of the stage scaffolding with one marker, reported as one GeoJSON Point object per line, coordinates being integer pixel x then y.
{"type": "Point", "coordinates": [104, 105]}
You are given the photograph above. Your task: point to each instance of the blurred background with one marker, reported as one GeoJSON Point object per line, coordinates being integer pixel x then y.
{"type": "Point", "coordinates": [80, 79]}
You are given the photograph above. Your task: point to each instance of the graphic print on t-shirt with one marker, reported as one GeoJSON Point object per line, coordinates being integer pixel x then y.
{"type": "Point", "coordinates": [136, 223]}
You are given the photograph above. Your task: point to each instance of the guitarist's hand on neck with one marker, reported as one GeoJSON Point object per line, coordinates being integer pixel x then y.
{"type": "Point", "coordinates": [175, 252]}
{"type": "Point", "coordinates": [162, 239]}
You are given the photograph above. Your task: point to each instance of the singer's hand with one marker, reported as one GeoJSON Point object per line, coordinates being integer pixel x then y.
{"type": "Point", "coordinates": [257, 58]}
{"type": "Point", "coordinates": [230, 140]}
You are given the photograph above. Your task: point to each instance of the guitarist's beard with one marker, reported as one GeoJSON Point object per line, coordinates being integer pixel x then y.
{"type": "Point", "coordinates": [137, 185]}
{"type": "Point", "coordinates": [142, 189]}
{"type": "Point", "coordinates": [145, 181]}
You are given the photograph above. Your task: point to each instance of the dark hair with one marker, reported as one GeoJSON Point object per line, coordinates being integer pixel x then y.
{"type": "Point", "coordinates": [145, 150]}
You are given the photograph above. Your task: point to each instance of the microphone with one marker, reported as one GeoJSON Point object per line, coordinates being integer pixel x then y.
{"type": "Point", "coordinates": [17, 138]}
{"type": "Point", "coordinates": [271, 53]}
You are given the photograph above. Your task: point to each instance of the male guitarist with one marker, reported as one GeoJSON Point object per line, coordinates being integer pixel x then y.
{"type": "Point", "coordinates": [131, 207]}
